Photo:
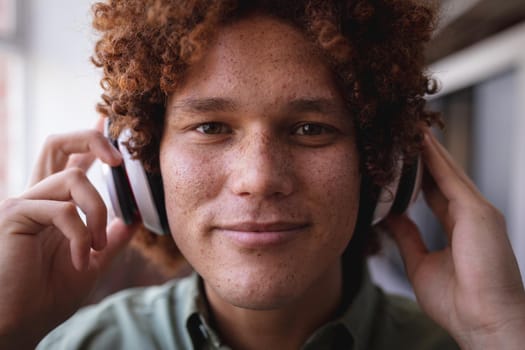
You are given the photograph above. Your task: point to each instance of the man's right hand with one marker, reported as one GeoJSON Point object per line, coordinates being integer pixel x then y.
{"type": "Point", "coordinates": [49, 259]}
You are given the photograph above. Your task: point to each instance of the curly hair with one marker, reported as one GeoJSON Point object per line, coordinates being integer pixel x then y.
{"type": "Point", "coordinates": [374, 47]}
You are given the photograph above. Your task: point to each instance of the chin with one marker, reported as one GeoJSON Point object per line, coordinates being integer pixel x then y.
{"type": "Point", "coordinates": [257, 298]}
{"type": "Point", "coordinates": [259, 290]}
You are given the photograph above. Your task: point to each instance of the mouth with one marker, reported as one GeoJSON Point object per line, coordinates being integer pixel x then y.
{"type": "Point", "coordinates": [253, 235]}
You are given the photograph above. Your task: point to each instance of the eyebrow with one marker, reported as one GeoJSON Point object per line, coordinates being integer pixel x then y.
{"type": "Point", "coordinates": [203, 105]}
{"type": "Point", "coordinates": [218, 104]}
{"type": "Point", "coordinates": [317, 105]}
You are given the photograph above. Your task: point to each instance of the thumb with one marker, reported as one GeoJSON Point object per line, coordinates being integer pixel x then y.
{"type": "Point", "coordinates": [119, 236]}
{"type": "Point", "coordinates": [408, 239]}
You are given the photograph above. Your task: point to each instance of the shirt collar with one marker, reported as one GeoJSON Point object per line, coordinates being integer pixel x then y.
{"type": "Point", "coordinates": [196, 314]}
{"type": "Point", "coordinates": [355, 324]}
{"type": "Point", "coordinates": [353, 328]}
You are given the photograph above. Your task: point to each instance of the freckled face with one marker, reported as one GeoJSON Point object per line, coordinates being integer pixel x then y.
{"type": "Point", "coordinates": [260, 166]}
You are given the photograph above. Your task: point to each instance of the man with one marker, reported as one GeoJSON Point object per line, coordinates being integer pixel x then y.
{"type": "Point", "coordinates": [267, 122]}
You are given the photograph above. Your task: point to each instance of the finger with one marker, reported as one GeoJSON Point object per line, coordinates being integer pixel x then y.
{"type": "Point", "coordinates": [119, 236]}
{"type": "Point", "coordinates": [73, 184]}
{"type": "Point", "coordinates": [81, 160]}
{"type": "Point", "coordinates": [408, 239]}
{"type": "Point", "coordinates": [84, 161]}
{"type": "Point", "coordinates": [437, 203]}
{"type": "Point", "coordinates": [58, 149]}
{"type": "Point", "coordinates": [99, 125]}
{"type": "Point", "coordinates": [452, 163]}
{"type": "Point", "coordinates": [449, 178]}
{"type": "Point", "coordinates": [33, 216]}
{"type": "Point", "coordinates": [89, 141]}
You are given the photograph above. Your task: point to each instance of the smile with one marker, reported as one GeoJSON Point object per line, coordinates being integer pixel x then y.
{"type": "Point", "coordinates": [260, 235]}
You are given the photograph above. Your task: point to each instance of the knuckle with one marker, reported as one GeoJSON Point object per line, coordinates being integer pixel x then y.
{"type": "Point", "coordinates": [486, 210]}
{"type": "Point", "coordinates": [94, 134]}
{"type": "Point", "coordinates": [8, 207]}
{"type": "Point", "coordinates": [9, 204]}
{"type": "Point", "coordinates": [68, 209]}
{"type": "Point", "coordinates": [52, 141]}
{"type": "Point", "coordinates": [75, 175]}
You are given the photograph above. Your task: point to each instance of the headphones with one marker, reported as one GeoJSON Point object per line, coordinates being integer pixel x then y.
{"type": "Point", "coordinates": [398, 195]}
{"type": "Point", "coordinates": [136, 194]}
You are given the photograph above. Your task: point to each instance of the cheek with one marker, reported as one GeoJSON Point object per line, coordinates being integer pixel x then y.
{"type": "Point", "coordinates": [337, 196]}
{"type": "Point", "coordinates": [190, 181]}
{"type": "Point", "coordinates": [337, 180]}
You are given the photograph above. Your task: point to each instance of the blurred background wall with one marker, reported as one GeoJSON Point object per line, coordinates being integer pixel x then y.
{"type": "Point", "coordinates": [48, 85]}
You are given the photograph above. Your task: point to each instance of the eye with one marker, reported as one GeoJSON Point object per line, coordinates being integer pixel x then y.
{"type": "Point", "coordinates": [315, 134]}
{"type": "Point", "coordinates": [213, 128]}
{"type": "Point", "coordinates": [311, 129]}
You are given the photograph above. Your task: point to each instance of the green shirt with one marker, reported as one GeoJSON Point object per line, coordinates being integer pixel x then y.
{"type": "Point", "coordinates": [173, 316]}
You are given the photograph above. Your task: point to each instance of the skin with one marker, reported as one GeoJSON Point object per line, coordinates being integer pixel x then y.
{"type": "Point", "coordinates": [44, 245]}
{"type": "Point", "coordinates": [473, 287]}
{"type": "Point", "coordinates": [280, 157]}
{"type": "Point", "coordinates": [267, 169]}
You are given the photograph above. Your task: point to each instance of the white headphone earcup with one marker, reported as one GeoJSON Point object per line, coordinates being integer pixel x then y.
{"type": "Point", "coordinates": [387, 196]}
{"type": "Point", "coordinates": [134, 193]}
{"type": "Point", "coordinates": [143, 194]}
{"type": "Point", "coordinates": [121, 197]}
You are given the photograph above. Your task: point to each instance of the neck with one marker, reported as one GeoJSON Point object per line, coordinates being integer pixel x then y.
{"type": "Point", "coordinates": [287, 327]}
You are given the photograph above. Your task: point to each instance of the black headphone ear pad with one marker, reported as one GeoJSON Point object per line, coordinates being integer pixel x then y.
{"type": "Point", "coordinates": [134, 193]}
{"type": "Point", "coordinates": [397, 196]}
{"type": "Point", "coordinates": [409, 185]}
{"type": "Point", "coordinates": [124, 195]}
{"type": "Point", "coordinates": [146, 188]}
{"type": "Point", "coordinates": [119, 189]}
{"type": "Point", "coordinates": [157, 191]}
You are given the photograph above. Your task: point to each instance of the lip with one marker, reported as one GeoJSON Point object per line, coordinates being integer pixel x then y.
{"type": "Point", "coordinates": [253, 235]}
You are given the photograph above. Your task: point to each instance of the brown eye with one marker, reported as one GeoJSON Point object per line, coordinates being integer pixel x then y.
{"type": "Point", "coordinates": [213, 128]}
{"type": "Point", "coordinates": [312, 129]}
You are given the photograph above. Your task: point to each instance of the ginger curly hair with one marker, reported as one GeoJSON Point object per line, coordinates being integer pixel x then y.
{"type": "Point", "coordinates": [375, 49]}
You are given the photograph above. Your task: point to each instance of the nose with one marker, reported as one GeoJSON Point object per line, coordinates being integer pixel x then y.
{"type": "Point", "coordinates": [262, 167]}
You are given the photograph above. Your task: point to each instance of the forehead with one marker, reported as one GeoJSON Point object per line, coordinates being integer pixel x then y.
{"type": "Point", "coordinates": [264, 38]}
{"type": "Point", "coordinates": [262, 55]}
